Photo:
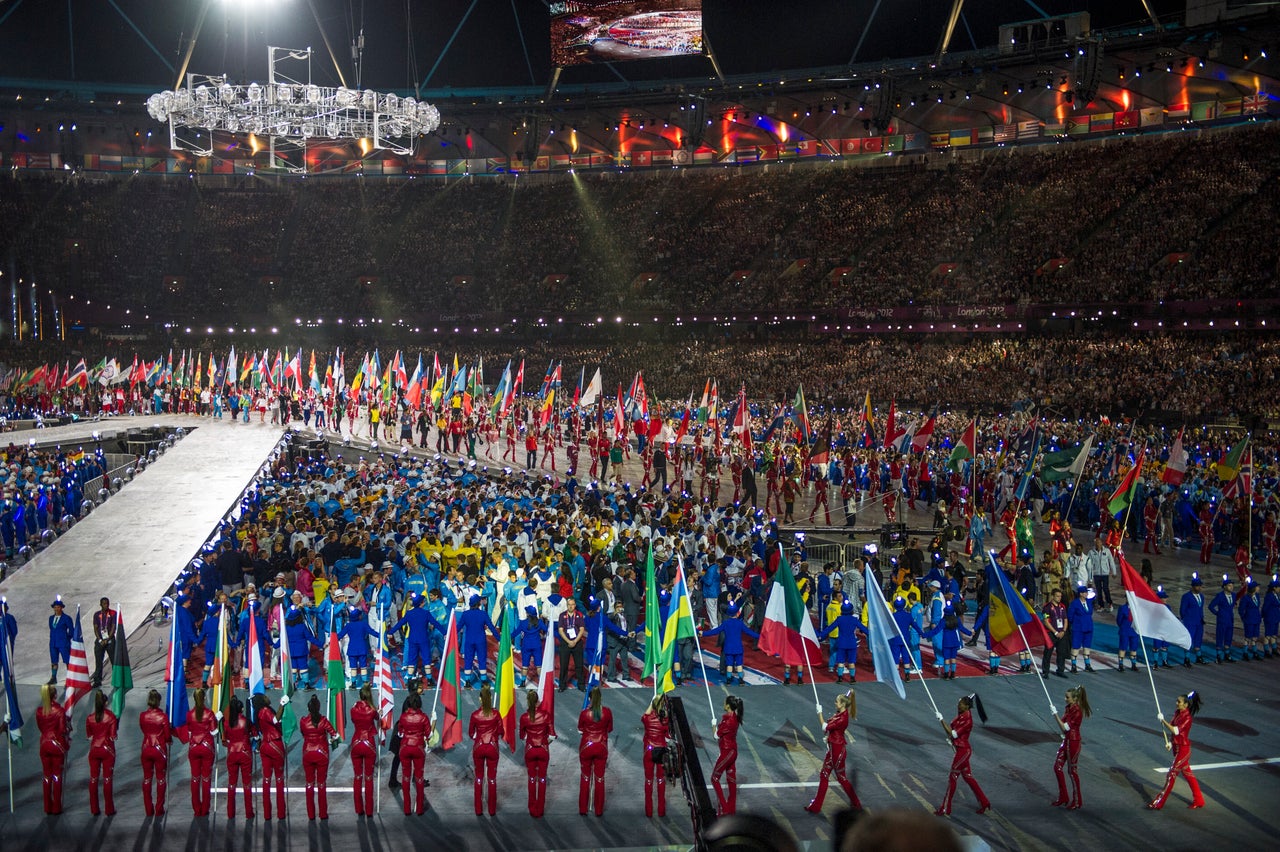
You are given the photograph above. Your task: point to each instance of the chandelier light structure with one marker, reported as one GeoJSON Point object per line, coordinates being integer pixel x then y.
{"type": "Point", "coordinates": [288, 112]}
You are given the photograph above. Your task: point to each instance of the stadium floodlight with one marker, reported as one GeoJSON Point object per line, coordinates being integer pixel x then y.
{"type": "Point", "coordinates": [289, 112]}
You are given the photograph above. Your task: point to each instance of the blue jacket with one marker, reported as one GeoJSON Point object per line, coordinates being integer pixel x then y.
{"type": "Point", "coordinates": [419, 622]}
{"type": "Point", "coordinates": [1223, 606]}
{"type": "Point", "coordinates": [471, 626]}
{"type": "Point", "coordinates": [1191, 611]}
{"type": "Point", "coordinates": [733, 630]}
{"type": "Point", "coordinates": [357, 633]}
{"type": "Point", "coordinates": [1250, 610]}
{"type": "Point", "coordinates": [528, 634]}
{"type": "Point", "coordinates": [1080, 615]}
{"type": "Point", "coordinates": [846, 627]}
{"type": "Point", "coordinates": [60, 630]}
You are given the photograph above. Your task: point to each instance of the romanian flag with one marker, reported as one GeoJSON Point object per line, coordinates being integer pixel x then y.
{"type": "Point", "coordinates": [1123, 496]}
{"type": "Point", "coordinates": [679, 626]}
{"type": "Point", "coordinates": [336, 676]}
{"type": "Point", "coordinates": [450, 686]}
{"type": "Point", "coordinates": [1013, 625]}
{"type": "Point", "coordinates": [507, 681]}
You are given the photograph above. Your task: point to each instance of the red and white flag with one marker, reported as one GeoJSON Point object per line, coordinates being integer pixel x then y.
{"type": "Point", "coordinates": [547, 678]}
{"type": "Point", "coordinates": [77, 669]}
{"type": "Point", "coordinates": [1176, 468]}
{"type": "Point", "coordinates": [1151, 618]}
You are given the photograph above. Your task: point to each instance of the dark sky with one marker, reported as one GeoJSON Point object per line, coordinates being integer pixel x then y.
{"type": "Point", "coordinates": [404, 41]}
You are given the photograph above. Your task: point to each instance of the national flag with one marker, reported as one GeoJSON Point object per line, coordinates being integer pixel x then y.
{"type": "Point", "coordinates": [879, 630]}
{"type": "Point", "coordinates": [788, 631]}
{"type": "Point", "coordinates": [652, 620]}
{"type": "Point", "coordinates": [920, 441]}
{"type": "Point", "coordinates": [619, 416]}
{"type": "Point", "coordinates": [1229, 468]}
{"type": "Point", "coordinates": [255, 676]}
{"type": "Point", "coordinates": [820, 452]}
{"type": "Point", "coordinates": [336, 683]}
{"type": "Point", "coordinates": [1246, 473]}
{"type": "Point", "coordinates": [361, 371]}
{"type": "Point", "coordinates": [592, 391]}
{"type": "Point", "coordinates": [221, 678]}
{"type": "Point", "coordinates": [891, 433]}
{"type": "Point", "coordinates": [868, 423]}
{"type": "Point", "coordinates": [507, 680]}
{"type": "Point", "coordinates": [1009, 616]}
{"type": "Point", "coordinates": [966, 447]}
{"type": "Point", "coordinates": [293, 368]}
{"type": "Point", "coordinates": [232, 369]}
{"type": "Point", "coordinates": [413, 392]}
{"type": "Point", "coordinates": [1123, 496]}
{"type": "Point", "coordinates": [402, 380]}
{"type": "Point", "coordinates": [679, 626]}
{"type": "Point", "coordinates": [250, 367]}
{"type": "Point", "coordinates": [1151, 618]}
{"type": "Point", "coordinates": [547, 678]}
{"type": "Point", "coordinates": [685, 420]}
{"type": "Point", "coordinates": [1024, 484]}
{"type": "Point", "coordinates": [77, 685]}
{"type": "Point", "coordinates": [1176, 469]}
{"type": "Point", "coordinates": [10, 687]}
{"type": "Point", "coordinates": [386, 689]}
{"type": "Point", "coordinates": [802, 416]}
{"type": "Point", "coordinates": [593, 671]}
{"type": "Point", "coordinates": [288, 718]}
{"type": "Point", "coordinates": [742, 420]}
{"type": "Point", "coordinates": [121, 668]}
{"type": "Point", "coordinates": [706, 402]}
{"type": "Point", "coordinates": [450, 686]}
{"type": "Point", "coordinates": [175, 702]}
{"type": "Point", "coordinates": [1065, 464]}
{"type": "Point", "coordinates": [79, 376]}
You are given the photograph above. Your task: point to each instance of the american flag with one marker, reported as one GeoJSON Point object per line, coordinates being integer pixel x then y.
{"type": "Point", "coordinates": [386, 701]}
{"type": "Point", "coordinates": [77, 669]}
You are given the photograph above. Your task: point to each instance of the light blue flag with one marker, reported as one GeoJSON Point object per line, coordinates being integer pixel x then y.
{"type": "Point", "coordinates": [879, 629]}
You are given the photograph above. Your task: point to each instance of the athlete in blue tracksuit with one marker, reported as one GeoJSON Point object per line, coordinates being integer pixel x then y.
{"type": "Point", "coordinates": [1080, 617]}
{"type": "Point", "coordinates": [252, 611]}
{"type": "Point", "coordinates": [1250, 609]}
{"type": "Point", "coordinates": [1271, 617]}
{"type": "Point", "coordinates": [357, 632]}
{"type": "Point", "coordinates": [844, 647]}
{"type": "Point", "coordinates": [209, 638]}
{"type": "Point", "coordinates": [1191, 613]}
{"type": "Point", "coordinates": [299, 637]}
{"type": "Point", "coordinates": [732, 628]}
{"type": "Point", "coordinates": [187, 637]}
{"type": "Point", "coordinates": [949, 630]}
{"type": "Point", "coordinates": [1223, 606]}
{"type": "Point", "coordinates": [982, 622]}
{"type": "Point", "coordinates": [594, 649]}
{"type": "Point", "coordinates": [60, 629]}
{"type": "Point", "coordinates": [907, 626]}
{"type": "Point", "coordinates": [417, 645]}
{"type": "Point", "coordinates": [529, 636]}
{"type": "Point", "coordinates": [471, 627]}
{"type": "Point", "coordinates": [1160, 647]}
{"type": "Point", "coordinates": [1127, 637]}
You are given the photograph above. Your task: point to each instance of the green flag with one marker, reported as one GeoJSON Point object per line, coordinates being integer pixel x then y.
{"type": "Point", "coordinates": [288, 719]}
{"type": "Point", "coordinates": [652, 618]}
{"type": "Point", "coordinates": [1065, 464]}
{"type": "Point", "coordinates": [1122, 498]}
{"type": "Point", "coordinates": [679, 626]}
{"type": "Point", "coordinates": [121, 670]}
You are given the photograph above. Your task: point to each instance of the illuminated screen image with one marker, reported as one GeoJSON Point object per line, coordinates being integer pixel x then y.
{"type": "Point", "coordinates": [584, 32]}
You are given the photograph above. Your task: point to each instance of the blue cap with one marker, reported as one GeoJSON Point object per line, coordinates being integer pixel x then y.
{"type": "Point", "coordinates": [664, 596]}
{"type": "Point", "coordinates": [593, 604]}
{"type": "Point", "coordinates": [57, 601]}
{"type": "Point", "coordinates": [1161, 593]}
{"type": "Point", "coordinates": [733, 609]}
{"type": "Point", "coordinates": [475, 601]}
{"type": "Point", "coordinates": [530, 610]}
{"type": "Point", "coordinates": [847, 607]}
{"type": "Point", "coordinates": [899, 603]}
{"type": "Point", "coordinates": [1082, 589]}
{"type": "Point", "coordinates": [1195, 580]}
{"type": "Point", "coordinates": [1252, 583]}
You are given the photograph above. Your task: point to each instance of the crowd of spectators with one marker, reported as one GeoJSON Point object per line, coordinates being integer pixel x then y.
{"type": "Point", "coordinates": [683, 239]}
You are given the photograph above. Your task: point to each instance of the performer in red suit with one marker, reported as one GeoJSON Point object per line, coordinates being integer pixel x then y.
{"type": "Point", "coordinates": [156, 736]}
{"type": "Point", "coordinates": [537, 731]}
{"type": "Point", "coordinates": [727, 762]}
{"type": "Point", "coordinates": [1069, 752]}
{"type": "Point", "coordinates": [958, 733]}
{"type": "Point", "coordinates": [1150, 520]}
{"type": "Point", "coordinates": [198, 734]}
{"type": "Point", "coordinates": [484, 730]}
{"type": "Point", "coordinates": [364, 749]}
{"type": "Point", "coordinates": [1188, 705]}
{"type": "Point", "coordinates": [316, 731]}
{"type": "Point", "coordinates": [101, 727]}
{"type": "Point", "coordinates": [237, 731]}
{"type": "Point", "coordinates": [656, 734]}
{"type": "Point", "coordinates": [1269, 540]}
{"type": "Point", "coordinates": [821, 495]}
{"type": "Point", "coordinates": [271, 751]}
{"type": "Point", "coordinates": [595, 724]}
{"type": "Point", "coordinates": [55, 733]}
{"type": "Point", "coordinates": [835, 727]}
{"type": "Point", "coordinates": [415, 727]}
{"type": "Point", "coordinates": [1206, 534]}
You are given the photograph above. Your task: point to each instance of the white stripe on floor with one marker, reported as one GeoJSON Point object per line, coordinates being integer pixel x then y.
{"type": "Point", "coordinates": [1232, 764]}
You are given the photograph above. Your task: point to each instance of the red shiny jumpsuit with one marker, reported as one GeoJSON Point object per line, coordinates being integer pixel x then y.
{"type": "Point", "coordinates": [315, 762]}
{"type": "Point", "coordinates": [962, 725]}
{"type": "Point", "coordinates": [271, 752]}
{"type": "Point", "coordinates": [239, 763]}
{"type": "Point", "coordinates": [55, 728]}
{"type": "Point", "coordinates": [484, 730]}
{"type": "Point", "coordinates": [593, 755]}
{"type": "Point", "coordinates": [156, 736]}
{"type": "Point", "coordinates": [415, 727]}
{"type": "Point", "coordinates": [1069, 756]}
{"type": "Point", "coordinates": [102, 734]}
{"type": "Point", "coordinates": [837, 750]}
{"type": "Point", "coordinates": [727, 763]}
{"type": "Point", "coordinates": [536, 731]}
{"type": "Point", "coordinates": [656, 733]}
{"type": "Point", "coordinates": [364, 754]}
{"type": "Point", "coordinates": [198, 734]}
{"type": "Point", "coordinates": [1181, 763]}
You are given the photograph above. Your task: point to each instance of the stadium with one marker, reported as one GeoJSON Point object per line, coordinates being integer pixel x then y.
{"type": "Point", "coordinates": [783, 308]}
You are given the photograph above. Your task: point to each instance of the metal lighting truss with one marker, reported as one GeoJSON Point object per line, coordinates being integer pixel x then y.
{"type": "Point", "coordinates": [288, 112]}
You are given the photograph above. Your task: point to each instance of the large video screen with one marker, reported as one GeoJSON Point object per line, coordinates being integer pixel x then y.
{"type": "Point", "coordinates": [584, 32]}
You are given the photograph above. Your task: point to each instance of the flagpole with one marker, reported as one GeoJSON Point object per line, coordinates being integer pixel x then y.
{"type": "Point", "coordinates": [1075, 489]}
{"type": "Point", "coordinates": [1124, 524]}
{"type": "Point", "coordinates": [701, 664]}
{"type": "Point", "coordinates": [898, 630]}
{"type": "Point", "coordinates": [1150, 677]}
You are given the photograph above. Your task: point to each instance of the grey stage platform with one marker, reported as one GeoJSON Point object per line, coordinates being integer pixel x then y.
{"type": "Point", "coordinates": [132, 547]}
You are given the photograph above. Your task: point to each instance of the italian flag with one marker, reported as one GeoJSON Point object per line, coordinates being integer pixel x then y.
{"type": "Point", "coordinates": [1122, 498]}
{"type": "Point", "coordinates": [788, 632]}
{"type": "Point", "coordinates": [507, 681]}
{"type": "Point", "coordinates": [1151, 618]}
{"type": "Point", "coordinates": [967, 448]}
{"type": "Point", "coordinates": [450, 687]}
